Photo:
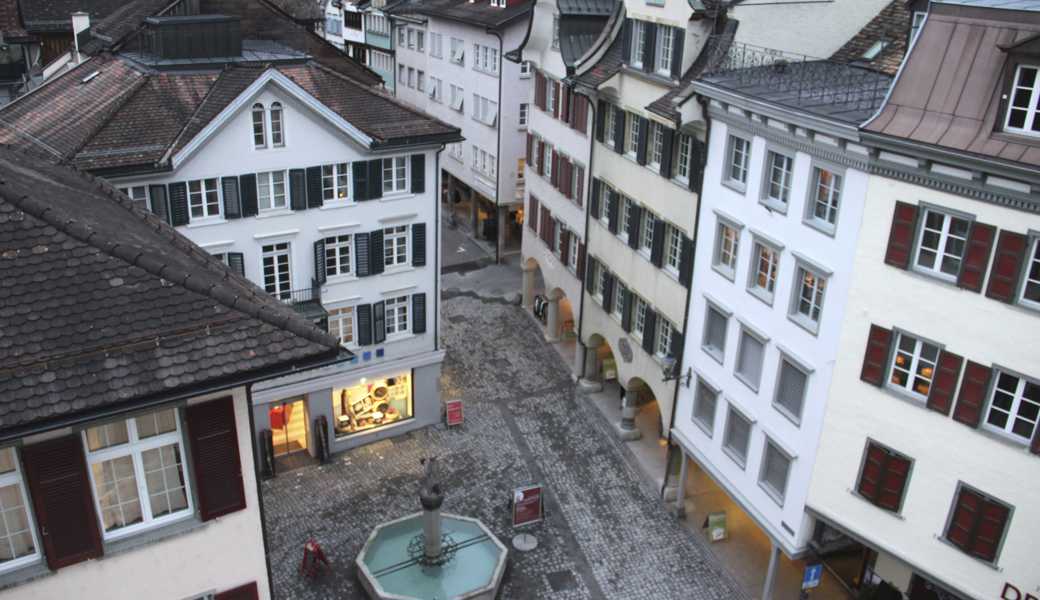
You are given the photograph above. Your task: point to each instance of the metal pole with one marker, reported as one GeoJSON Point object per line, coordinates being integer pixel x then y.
{"type": "Point", "coordinates": [767, 587]}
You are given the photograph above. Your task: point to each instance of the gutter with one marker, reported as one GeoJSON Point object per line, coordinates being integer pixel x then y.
{"type": "Point", "coordinates": [593, 106]}
{"type": "Point", "coordinates": [259, 492]}
{"type": "Point", "coordinates": [437, 250]}
{"type": "Point", "coordinates": [500, 228]}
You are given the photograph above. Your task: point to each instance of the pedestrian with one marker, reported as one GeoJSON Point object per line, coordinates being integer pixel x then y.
{"type": "Point", "coordinates": [622, 396]}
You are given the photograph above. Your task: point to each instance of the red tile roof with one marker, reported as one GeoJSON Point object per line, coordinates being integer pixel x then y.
{"type": "Point", "coordinates": [890, 27]}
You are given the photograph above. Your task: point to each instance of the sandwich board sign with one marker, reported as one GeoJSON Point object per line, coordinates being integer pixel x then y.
{"type": "Point", "coordinates": [453, 412]}
{"type": "Point", "coordinates": [528, 505]}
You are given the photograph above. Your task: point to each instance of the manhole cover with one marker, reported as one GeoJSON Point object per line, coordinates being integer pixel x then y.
{"type": "Point", "coordinates": [562, 580]}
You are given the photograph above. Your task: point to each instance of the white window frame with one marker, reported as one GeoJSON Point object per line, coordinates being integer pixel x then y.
{"type": "Point", "coordinates": [632, 135]}
{"type": "Point", "coordinates": [672, 248]}
{"type": "Point", "coordinates": [397, 310]}
{"type": "Point", "coordinates": [396, 240]}
{"type": "Point", "coordinates": [458, 97]}
{"type": "Point", "coordinates": [1017, 400]}
{"type": "Point", "coordinates": [596, 281]}
{"type": "Point", "coordinates": [825, 196]}
{"type": "Point", "coordinates": [339, 316]}
{"type": "Point", "coordinates": [259, 129]}
{"type": "Point", "coordinates": [785, 171]}
{"type": "Point", "coordinates": [727, 267]}
{"type": "Point", "coordinates": [916, 359]}
{"type": "Point", "coordinates": [270, 185]}
{"type": "Point", "coordinates": [458, 51]}
{"type": "Point", "coordinates": [663, 53]}
{"type": "Point", "coordinates": [778, 496]}
{"type": "Point", "coordinates": [273, 251]}
{"type": "Point", "coordinates": [771, 270]}
{"type": "Point", "coordinates": [618, 309]}
{"type": "Point", "coordinates": [681, 164]}
{"type": "Point", "coordinates": [525, 109]}
{"type": "Point", "coordinates": [816, 299]}
{"type": "Point", "coordinates": [795, 417]}
{"type": "Point", "coordinates": [556, 32]}
{"type": "Point", "coordinates": [572, 253]}
{"type": "Point", "coordinates": [738, 159]}
{"type": "Point", "coordinates": [332, 182]}
{"type": "Point", "coordinates": [739, 455]}
{"type": "Point", "coordinates": [655, 146]}
{"type": "Point", "coordinates": [945, 236]}
{"type": "Point", "coordinates": [747, 333]}
{"type": "Point", "coordinates": [707, 426]}
{"type": "Point", "coordinates": [525, 69]}
{"type": "Point", "coordinates": [646, 238]}
{"type": "Point", "coordinates": [663, 337]}
{"type": "Point", "coordinates": [436, 45]}
{"type": "Point", "coordinates": [639, 317]}
{"type": "Point", "coordinates": [200, 198]}
{"type": "Point", "coordinates": [16, 479]}
{"type": "Point", "coordinates": [396, 183]}
{"type": "Point", "coordinates": [1032, 119]}
{"type": "Point", "coordinates": [610, 125]}
{"type": "Point", "coordinates": [624, 216]}
{"type": "Point", "coordinates": [719, 353]}
{"type": "Point", "coordinates": [1032, 262]}
{"type": "Point", "coordinates": [277, 125]}
{"type": "Point", "coordinates": [333, 255]}
{"type": "Point", "coordinates": [638, 40]}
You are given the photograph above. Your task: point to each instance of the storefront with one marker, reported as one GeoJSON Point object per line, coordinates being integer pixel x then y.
{"type": "Point", "coordinates": [372, 404]}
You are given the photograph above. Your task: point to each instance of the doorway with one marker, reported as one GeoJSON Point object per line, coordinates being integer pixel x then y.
{"type": "Point", "coordinates": [288, 427]}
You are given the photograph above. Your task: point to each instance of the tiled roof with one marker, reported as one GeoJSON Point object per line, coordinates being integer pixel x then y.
{"type": "Point", "coordinates": [56, 15]}
{"type": "Point", "coordinates": [602, 8]}
{"type": "Point", "coordinates": [577, 35]}
{"type": "Point", "coordinates": [104, 306]}
{"type": "Point", "coordinates": [475, 13]}
{"type": "Point", "coordinates": [10, 21]}
{"type": "Point", "coordinates": [607, 66]}
{"type": "Point", "coordinates": [890, 29]}
{"type": "Point", "coordinates": [301, 10]}
{"type": "Point", "coordinates": [716, 46]}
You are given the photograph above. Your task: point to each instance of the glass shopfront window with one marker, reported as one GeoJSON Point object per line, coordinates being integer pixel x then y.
{"type": "Point", "coordinates": [372, 404]}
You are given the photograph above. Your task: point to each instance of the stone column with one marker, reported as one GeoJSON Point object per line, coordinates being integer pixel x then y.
{"type": "Point", "coordinates": [579, 360]}
{"type": "Point", "coordinates": [590, 375]}
{"type": "Point", "coordinates": [432, 533]}
{"type": "Point", "coordinates": [626, 429]}
{"type": "Point", "coordinates": [774, 557]}
{"type": "Point", "coordinates": [552, 322]}
{"type": "Point", "coordinates": [528, 286]}
{"type": "Point", "coordinates": [680, 494]}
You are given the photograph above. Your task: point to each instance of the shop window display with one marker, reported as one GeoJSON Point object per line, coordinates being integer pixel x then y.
{"type": "Point", "coordinates": [372, 404]}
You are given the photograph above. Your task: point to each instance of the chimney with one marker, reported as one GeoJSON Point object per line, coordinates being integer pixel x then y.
{"type": "Point", "coordinates": [80, 27]}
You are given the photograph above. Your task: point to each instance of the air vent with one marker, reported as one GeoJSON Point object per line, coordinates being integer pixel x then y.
{"type": "Point", "coordinates": [193, 37]}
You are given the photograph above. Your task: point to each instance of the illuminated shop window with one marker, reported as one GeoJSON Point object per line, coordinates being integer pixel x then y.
{"type": "Point", "coordinates": [372, 404]}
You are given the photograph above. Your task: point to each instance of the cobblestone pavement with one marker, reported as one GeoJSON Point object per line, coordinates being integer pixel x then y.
{"type": "Point", "coordinates": [606, 536]}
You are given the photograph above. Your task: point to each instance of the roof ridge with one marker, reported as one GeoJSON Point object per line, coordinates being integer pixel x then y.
{"type": "Point", "coordinates": [113, 110]}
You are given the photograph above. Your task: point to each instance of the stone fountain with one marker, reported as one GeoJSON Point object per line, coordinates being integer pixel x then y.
{"type": "Point", "coordinates": [431, 555]}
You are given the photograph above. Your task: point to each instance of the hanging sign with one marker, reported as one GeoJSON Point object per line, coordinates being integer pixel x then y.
{"type": "Point", "coordinates": [527, 505]}
{"type": "Point", "coordinates": [453, 412]}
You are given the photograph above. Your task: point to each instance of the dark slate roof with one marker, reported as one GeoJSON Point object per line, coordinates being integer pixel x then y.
{"type": "Point", "coordinates": [577, 35]}
{"type": "Point", "coordinates": [479, 12]}
{"type": "Point", "coordinates": [128, 119]}
{"type": "Point", "coordinates": [302, 10]}
{"type": "Point", "coordinates": [104, 306]}
{"type": "Point", "coordinates": [890, 27]}
{"type": "Point", "coordinates": [607, 66]}
{"type": "Point", "coordinates": [11, 22]}
{"type": "Point", "coordinates": [602, 8]}
{"type": "Point", "coordinates": [41, 16]}
{"type": "Point", "coordinates": [716, 47]}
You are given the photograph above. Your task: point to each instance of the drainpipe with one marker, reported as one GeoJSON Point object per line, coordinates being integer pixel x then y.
{"type": "Point", "coordinates": [689, 292]}
{"type": "Point", "coordinates": [259, 492]}
{"type": "Point", "coordinates": [500, 230]}
{"type": "Point", "coordinates": [437, 249]}
{"type": "Point", "coordinates": [588, 189]}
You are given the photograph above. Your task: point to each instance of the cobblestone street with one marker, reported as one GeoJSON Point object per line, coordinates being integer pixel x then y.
{"type": "Point", "coordinates": [606, 535]}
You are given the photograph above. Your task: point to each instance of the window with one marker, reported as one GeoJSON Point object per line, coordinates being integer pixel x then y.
{"type": "Point", "coordinates": [395, 246]}
{"type": "Point", "coordinates": [524, 107]}
{"type": "Point", "coordinates": [749, 359]}
{"type": "Point", "coordinates": [977, 524]}
{"type": "Point", "coordinates": [259, 131]}
{"type": "Point", "coordinates": [664, 337]}
{"type": "Point", "coordinates": [913, 365]}
{"type": "Point", "coordinates": [596, 281]}
{"type": "Point", "coordinates": [436, 89]}
{"type": "Point", "coordinates": [402, 37]}
{"type": "Point", "coordinates": [333, 25]}
{"type": "Point", "coordinates": [548, 162]}
{"type": "Point", "coordinates": [411, 77]}
{"type": "Point", "coordinates": [275, 267]}
{"type": "Point", "coordinates": [704, 404]}
{"type": "Point", "coordinates": [203, 198]}
{"type": "Point", "coordinates": [485, 58]}
{"type": "Point", "coordinates": [727, 241]}
{"type": "Point", "coordinates": [610, 125]}
{"type": "Point", "coordinates": [775, 466]}
{"type": "Point", "coordinates": [458, 51]}
{"type": "Point", "coordinates": [665, 43]}
{"type": "Point", "coordinates": [381, 61]}
{"type": "Point", "coordinates": [436, 45]}
{"type": "Point", "coordinates": [556, 32]}
{"type": "Point", "coordinates": [420, 81]}
{"type": "Point", "coordinates": [714, 342]}
{"type": "Point", "coordinates": [484, 110]}
{"type": "Point", "coordinates": [337, 255]}
{"type": "Point", "coordinates": [457, 96]}
{"type": "Point", "coordinates": [341, 324]}
{"type": "Point", "coordinates": [625, 215]}
{"type": "Point", "coordinates": [1031, 284]}
{"type": "Point", "coordinates": [420, 41]}
{"type": "Point", "coordinates": [550, 96]}
{"type": "Point", "coordinates": [941, 244]}
{"type": "Point", "coordinates": [572, 253]}
{"type": "Point", "coordinates": [525, 68]}
{"type": "Point", "coordinates": [1014, 407]}
{"type": "Point", "coordinates": [882, 481]}
{"type": "Point", "coordinates": [639, 324]}
{"type": "Point", "coordinates": [673, 248]}
{"type": "Point", "coordinates": [766, 262]}
{"type": "Point", "coordinates": [137, 193]}
{"type": "Point", "coordinates": [353, 407]}
{"type": "Point", "coordinates": [826, 196]}
{"type": "Point", "coordinates": [790, 389]}
{"type": "Point", "coordinates": [646, 239]}
{"type": "Point", "coordinates": [632, 136]}
{"type": "Point", "coordinates": [402, 74]}
{"type": "Point", "coordinates": [682, 157]}
{"type": "Point", "coordinates": [455, 150]}
{"type": "Point", "coordinates": [137, 470]}
{"type": "Point", "coordinates": [1024, 108]}
{"type": "Point", "coordinates": [808, 302]}
{"type": "Point", "coordinates": [656, 145]}
{"type": "Point", "coordinates": [335, 181]}
{"type": "Point", "coordinates": [635, 58]}
{"type": "Point", "coordinates": [18, 544]}
{"type": "Point", "coordinates": [352, 20]}
{"type": "Point", "coordinates": [277, 139]}
{"type": "Point", "coordinates": [601, 288]}
{"type": "Point", "coordinates": [874, 50]}
{"type": "Point", "coordinates": [737, 437]}
{"type": "Point", "coordinates": [739, 155]}
{"type": "Point", "coordinates": [778, 186]}
{"type": "Point", "coordinates": [271, 190]}
{"type": "Point", "coordinates": [395, 174]}
{"type": "Point", "coordinates": [396, 315]}
{"type": "Point", "coordinates": [379, 24]}
{"type": "Point", "coordinates": [618, 310]}
{"type": "Point", "coordinates": [918, 21]}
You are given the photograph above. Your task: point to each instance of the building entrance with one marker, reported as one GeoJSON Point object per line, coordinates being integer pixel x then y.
{"type": "Point", "coordinates": [288, 427]}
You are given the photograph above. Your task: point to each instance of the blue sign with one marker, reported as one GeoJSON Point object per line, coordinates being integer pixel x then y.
{"type": "Point", "coordinates": [813, 574]}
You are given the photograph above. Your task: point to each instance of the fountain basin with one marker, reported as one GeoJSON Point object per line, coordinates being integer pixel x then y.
{"type": "Point", "coordinates": [389, 571]}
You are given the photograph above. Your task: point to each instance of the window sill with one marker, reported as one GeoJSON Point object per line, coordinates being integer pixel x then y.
{"type": "Point", "coordinates": [774, 205]}
{"type": "Point", "coordinates": [736, 186]}
{"type": "Point", "coordinates": [719, 355]}
{"type": "Point", "coordinates": [795, 420]}
{"type": "Point", "coordinates": [732, 454]}
{"type": "Point", "coordinates": [273, 212]}
{"type": "Point", "coordinates": [704, 427]}
{"type": "Point", "coordinates": [207, 222]}
{"type": "Point", "coordinates": [336, 204]}
{"type": "Point", "coordinates": [776, 497]}
{"type": "Point", "coordinates": [743, 379]}
{"type": "Point", "coordinates": [394, 270]}
{"type": "Point", "coordinates": [181, 526]}
{"type": "Point", "coordinates": [823, 227]}
{"type": "Point", "coordinates": [398, 337]}
{"type": "Point", "coordinates": [394, 196]}
{"type": "Point", "coordinates": [894, 515]}
{"type": "Point", "coordinates": [341, 278]}
{"type": "Point", "coordinates": [804, 322]}
{"type": "Point", "coordinates": [761, 294]}
{"type": "Point", "coordinates": [942, 539]}
{"type": "Point", "coordinates": [943, 277]}
{"type": "Point", "coordinates": [727, 273]}
{"type": "Point", "coordinates": [25, 573]}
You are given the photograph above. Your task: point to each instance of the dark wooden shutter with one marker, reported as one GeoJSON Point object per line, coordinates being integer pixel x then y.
{"type": "Point", "coordinates": [298, 189]}
{"type": "Point", "coordinates": [565, 103]}
{"type": "Point", "coordinates": [539, 90]}
{"type": "Point", "coordinates": [556, 99]}
{"type": "Point", "coordinates": [635, 217]}
{"type": "Point", "coordinates": [649, 46]}
{"type": "Point", "coordinates": [972, 397]}
{"type": "Point", "coordinates": [589, 271]}
{"type": "Point", "coordinates": [944, 384]}
{"type": "Point", "coordinates": [976, 256]}
{"type": "Point", "coordinates": [419, 245]}
{"type": "Point", "coordinates": [375, 179]}
{"type": "Point", "coordinates": [657, 244]}
{"type": "Point", "coordinates": [977, 525]}
{"type": "Point", "coordinates": [601, 119]}
{"type": "Point", "coordinates": [532, 213]}
{"type": "Point", "coordinates": [179, 203]}
{"type": "Point", "coordinates": [613, 211]}
{"type": "Point", "coordinates": [626, 310]}
{"type": "Point", "coordinates": [649, 330]}
{"type": "Point", "coordinates": [160, 206]}
{"type": "Point", "coordinates": [579, 185]}
{"type": "Point", "coordinates": [696, 170]}
{"type": "Point", "coordinates": [361, 249]}
{"type": "Point", "coordinates": [418, 313]}
{"type": "Point", "coordinates": [641, 142]}
{"type": "Point", "coordinates": [315, 189]}
{"type": "Point", "coordinates": [581, 270]}
{"type": "Point", "coordinates": [554, 179]}
{"type": "Point", "coordinates": [418, 173]}
{"type": "Point", "coordinates": [675, 344]}
{"type": "Point", "coordinates": [626, 41]}
{"type": "Point", "coordinates": [364, 324]}
{"type": "Point", "coordinates": [594, 208]}
{"type": "Point", "coordinates": [360, 176]}
{"type": "Point", "coordinates": [901, 235]}
{"type": "Point", "coordinates": [232, 203]}
{"type": "Point", "coordinates": [379, 322]}
{"type": "Point", "coordinates": [376, 260]}
{"type": "Point", "coordinates": [666, 152]}
{"type": "Point", "coordinates": [541, 157]}
{"type": "Point", "coordinates": [1034, 447]}
{"type": "Point", "coordinates": [319, 261]}
{"type": "Point", "coordinates": [247, 190]}
{"type": "Point", "coordinates": [565, 246]}
{"type": "Point", "coordinates": [872, 473]}
{"type": "Point", "coordinates": [678, 37]}
{"type": "Point", "coordinates": [875, 359]}
{"type": "Point", "coordinates": [530, 149]}
{"type": "Point", "coordinates": [883, 479]}
{"type": "Point", "coordinates": [619, 130]}
{"type": "Point", "coordinates": [608, 291]}
{"type": "Point", "coordinates": [56, 473]}
{"type": "Point", "coordinates": [686, 262]}
{"type": "Point", "coordinates": [1007, 266]}
{"type": "Point", "coordinates": [243, 592]}
{"type": "Point", "coordinates": [237, 262]}
{"type": "Point", "coordinates": [213, 439]}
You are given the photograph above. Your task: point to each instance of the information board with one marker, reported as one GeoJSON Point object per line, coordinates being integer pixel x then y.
{"type": "Point", "coordinates": [453, 412]}
{"type": "Point", "coordinates": [527, 505]}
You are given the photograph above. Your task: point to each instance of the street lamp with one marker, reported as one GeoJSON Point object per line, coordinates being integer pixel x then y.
{"type": "Point", "coordinates": [671, 369]}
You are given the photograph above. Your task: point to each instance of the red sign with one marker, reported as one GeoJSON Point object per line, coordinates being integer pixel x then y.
{"type": "Point", "coordinates": [527, 505]}
{"type": "Point", "coordinates": [453, 412]}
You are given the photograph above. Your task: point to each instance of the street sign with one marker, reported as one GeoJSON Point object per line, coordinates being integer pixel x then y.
{"type": "Point", "coordinates": [813, 574]}
{"type": "Point", "coordinates": [527, 505]}
{"type": "Point", "coordinates": [453, 412]}
{"type": "Point", "coordinates": [715, 523]}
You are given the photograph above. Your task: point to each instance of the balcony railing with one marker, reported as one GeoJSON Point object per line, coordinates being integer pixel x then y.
{"type": "Point", "coordinates": [306, 301]}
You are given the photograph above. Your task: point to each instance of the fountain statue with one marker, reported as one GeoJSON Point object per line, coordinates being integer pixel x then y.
{"type": "Point", "coordinates": [431, 496]}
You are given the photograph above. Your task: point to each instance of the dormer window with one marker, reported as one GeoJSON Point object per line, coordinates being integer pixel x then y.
{"type": "Point", "coordinates": [259, 131]}
{"type": "Point", "coordinates": [498, 3]}
{"type": "Point", "coordinates": [277, 137]}
{"type": "Point", "coordinates": [1024, 104]}
{"type": "Point", "coordinates": [263, 120]}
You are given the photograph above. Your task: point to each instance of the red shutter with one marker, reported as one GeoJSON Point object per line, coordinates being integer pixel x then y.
{"type": "Point", "coordinates": [977, 525]}
{"type": "Point", "coordinates": [964, 516]}
{"type": "Point", "coordinates": [530, 149]}
{"type": "Point", "coordinates": [565, 106]}
{"type": "Point", "coordinates": [1007, 264]}
{"type": "Point", "coordinates": [539, 90]}
{"type": "Point", "coordinates": [581, 273]}
{"type": "Point", "coordinates": [976, 256]}
{"type": "Point", "coordinates": [972, 396]}
{"type": "Point", "coordinates": [543, 227]}
{"type": "Point", "coordinates": [541, 158]}
{"type": "Point", "coordinates": [870, 477]}
{"type": "Point", "coordinates": [214, 456]}
{"type": "Point", "coordinates": [992, 520]}
{"type": "Point", "coordinates": [579, 185]}
{"type": "Point", "coordinates": [532, 214]}
{"type": "Point", "coordinates": [245, 592]}
{"type": "Point", "coordinates": [556, 96]}
{"type": "Point", "coordinates": [944, 384]}
{"type": "Point", "coordinates": [567, 183]}
{"type": "Point", "coordinates": [897, 469]}
{"type": "Point", "coordinates": [56, 472]}
{"type": "Point", "coordinates": [580, 113]}
{"type": "Point", "coordinates": [565, 239]}
{"type": "Point", "coordinates": [901, 237]}
{"type": "Point", "coordinates": [555, 179]}
{"type": "Point", "coordinates": [1035, 446]}
{"type": "Point", "coordinates": [876, 356]}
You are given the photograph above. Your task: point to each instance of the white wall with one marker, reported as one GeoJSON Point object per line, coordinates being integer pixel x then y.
{"type": "Point", "coordinates": [944, 451]}
{"type": "Point", "coordinates": [816, 29]}
{"type": "Point", "coordinates": [217, 556]}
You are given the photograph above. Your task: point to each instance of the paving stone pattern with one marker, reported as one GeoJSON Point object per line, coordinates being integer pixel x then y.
{"type": "Point", "coordinates": [606, 535]}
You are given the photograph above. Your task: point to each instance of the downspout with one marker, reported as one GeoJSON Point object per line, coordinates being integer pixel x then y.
{"type": "Point", "coordinates": [588, 187]}
{"type": "Point", "coordinates": [437, 249]}
{"type": "Point", "coordinates": [500, 229]}
{"type": "Point", "coordinates": [259, 492]}
{"type": "Point", "coordinates": [689, 293]}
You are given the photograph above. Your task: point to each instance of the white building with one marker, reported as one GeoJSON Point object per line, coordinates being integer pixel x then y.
{"type": "Point", "coordinates": [928, 456]}
{"type": "Point", "coordinates": [343, 27]}
{"type": "Point", "coordinates": [450, 64]}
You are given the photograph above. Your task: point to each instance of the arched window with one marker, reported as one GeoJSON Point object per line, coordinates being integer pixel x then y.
{"type": "Point", "coordinates": [259, 132]}
{"type": "Point", "coordinates": [277, 139]}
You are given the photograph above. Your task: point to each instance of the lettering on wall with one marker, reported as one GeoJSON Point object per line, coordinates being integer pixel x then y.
{"type": "Point", "coordinates": [1013, 593]}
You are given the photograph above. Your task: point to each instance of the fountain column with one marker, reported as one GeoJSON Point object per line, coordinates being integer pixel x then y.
{"type": "Point", "coordinates": [431, 499]}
